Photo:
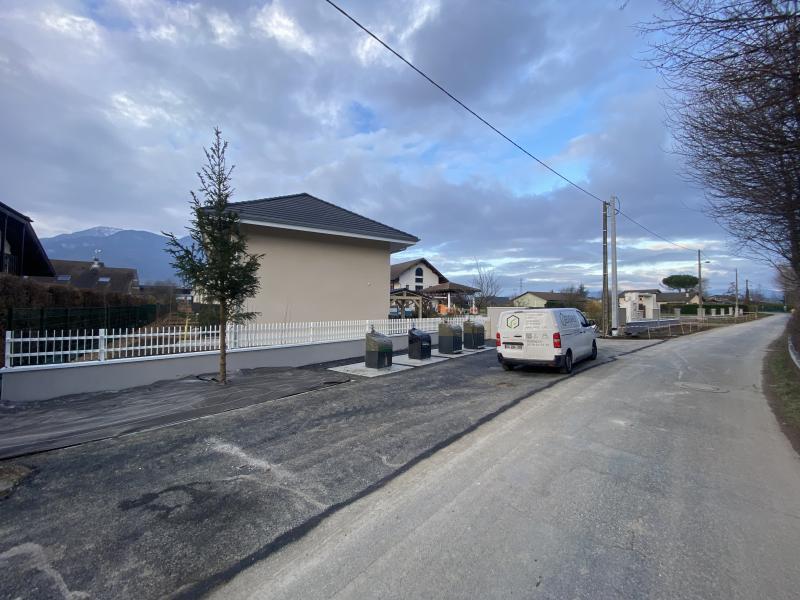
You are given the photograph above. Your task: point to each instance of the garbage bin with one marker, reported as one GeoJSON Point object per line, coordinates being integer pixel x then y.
{"type": "Point", "coordinates": [474, 335]}
{"type": "Point", "coordinates": [449, 338]}
{"type": "Point", "coordinates": [419, 344]}
{"type": "Point", "coordinates": [378, 351]}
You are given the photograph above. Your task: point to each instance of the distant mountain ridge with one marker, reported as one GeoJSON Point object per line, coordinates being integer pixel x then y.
{"type": "Point", "coordinates": [144, 251]}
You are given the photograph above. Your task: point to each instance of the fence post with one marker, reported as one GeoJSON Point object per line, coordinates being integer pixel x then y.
{"type": "Point", "coordinates": [8, 348]}
{"type": "Point", "coordinates": [101, 345]}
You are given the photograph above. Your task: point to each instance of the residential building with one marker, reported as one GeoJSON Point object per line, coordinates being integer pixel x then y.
{"type": "Point", "coordinates": [540, 299]}
{"type": "Point", "coordinates": [22, 252]}
{"type": "Point", "coordinates": [321, 262]}
{"type": "Point", "coordinates": [415, 275]}
{"type": "Point", "coordinates": [93, 275]}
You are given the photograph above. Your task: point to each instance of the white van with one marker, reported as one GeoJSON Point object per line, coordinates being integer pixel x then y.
{"type": "Point", "coordinates": [548, 337]}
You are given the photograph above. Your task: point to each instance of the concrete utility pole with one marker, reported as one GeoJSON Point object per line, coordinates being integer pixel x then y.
{"type": "Point", "coordinates": [699, 286]}
{"type": "Point", "coordinates": [736, 310]}
{"type": "Point", "coordinates": [614, 300]}
{"type": "Point", "coordinates": [605, 270]}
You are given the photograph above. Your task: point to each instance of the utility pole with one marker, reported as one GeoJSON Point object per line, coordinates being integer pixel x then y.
{"type": "Point", "coordinates": [605, 269]}
{"type": "Point", "coordinates": [699, 286]}
{"type": "Point", "coordinates": [736, 310]}
{"type": "Point", "coordinates": [614, 300]}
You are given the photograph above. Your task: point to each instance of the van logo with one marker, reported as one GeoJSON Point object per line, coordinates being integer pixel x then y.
{"type": "Point", "coordinates": [512, 322]}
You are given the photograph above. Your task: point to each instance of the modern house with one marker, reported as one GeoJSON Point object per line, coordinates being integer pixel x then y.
{"type": "Point", "coordinates": [321, 262]}
{"type": "Point", "coordinates": [23, 254]}
{"type": "Point", "coordinates": [94, 275]}
{"type": "Point", "coordinates": [539, 299]}
{"type": "Point", "coordinates": [640, 304]}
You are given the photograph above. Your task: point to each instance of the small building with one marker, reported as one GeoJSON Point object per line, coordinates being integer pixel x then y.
{"type": "Point", "coordinates": [23, 254]}
{"type": "Point", "coordinates": [94, 275]}
{"type": "Point", "coordinates": [539, 299]}
{"type": "Point", "coordinates": [321, 262]}
{"type": "Point", "coordinates": [640, 304]}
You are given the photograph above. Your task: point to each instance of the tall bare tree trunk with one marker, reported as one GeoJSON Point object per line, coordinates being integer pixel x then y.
{"type": "Point", "coordinates": [223, 341]}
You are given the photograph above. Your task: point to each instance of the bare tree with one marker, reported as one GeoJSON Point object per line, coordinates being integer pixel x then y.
{"type": "Point", "coordinates": [733, 71]}
{"type": "Point", "coordinates": [575, 297]}
{"type": "Point", "coordinates": [488, 286]}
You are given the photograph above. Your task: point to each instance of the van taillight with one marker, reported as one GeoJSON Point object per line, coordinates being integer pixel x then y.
{"type": "Point", "coordinates": [498, 339]}
{"type": "Point", "coordinates": [556, 340]}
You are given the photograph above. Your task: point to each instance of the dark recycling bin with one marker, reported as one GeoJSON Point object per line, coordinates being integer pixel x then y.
{"type": "Point", "coordinates": [449, 338]}
{"type": "Point", "coordinates": [379, 351]}
{"type": "Point", "coordinates": [419, 344]}
{"type": "Point", "coordinates": [474, 334]}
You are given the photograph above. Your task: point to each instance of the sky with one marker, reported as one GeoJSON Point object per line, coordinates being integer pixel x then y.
{"type": "Point", "coordinates": [105, 109]}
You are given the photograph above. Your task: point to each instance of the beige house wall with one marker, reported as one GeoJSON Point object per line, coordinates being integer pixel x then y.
{"type": "Point", "coordinates": [530, 300]}
{"type": "Point", "coordinates": [318, 277]}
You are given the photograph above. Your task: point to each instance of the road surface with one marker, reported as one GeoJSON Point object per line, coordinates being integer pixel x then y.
{"type": "Point", "coordinates": [662, 476]}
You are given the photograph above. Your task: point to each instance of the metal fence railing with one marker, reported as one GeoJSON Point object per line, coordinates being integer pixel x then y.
{"type": "Point", "coordinates": [26, 348]}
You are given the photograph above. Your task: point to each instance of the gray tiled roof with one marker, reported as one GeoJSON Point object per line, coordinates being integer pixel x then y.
{"type": "Point", "coordinates": [305, 210]}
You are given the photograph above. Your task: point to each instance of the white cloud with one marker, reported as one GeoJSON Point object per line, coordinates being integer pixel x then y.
{"type": "Point", "coordinates": [145, 114]}
{"type": "Point", "coordinates": [74, 26]}
{"type": "Point", "coordinates": [273, 21]}
{"type": "Point", "coordinates": [225, 30]}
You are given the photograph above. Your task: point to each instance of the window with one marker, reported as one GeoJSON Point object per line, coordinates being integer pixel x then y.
{"type": "Point", "coordinates": [418, 288]}
{"type": "Point", "coordinates": [63, 277]}
{"type": "Point", "coordinates": [418, 275]}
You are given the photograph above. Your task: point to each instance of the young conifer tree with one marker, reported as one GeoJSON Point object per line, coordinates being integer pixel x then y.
{"type": "Point", "coordinates": [216, 262]}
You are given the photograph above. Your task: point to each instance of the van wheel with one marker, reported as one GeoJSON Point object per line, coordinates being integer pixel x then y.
{"type": "Point", "coordinates": [594, 351]}
{"type": "Point", "coordinates": [566, 368]}
{"type": "Point", "coordinates": [507, 366]}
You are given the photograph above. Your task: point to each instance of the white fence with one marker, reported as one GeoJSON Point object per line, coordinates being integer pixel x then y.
{"type": "Point", "coordinates": [25, 348]}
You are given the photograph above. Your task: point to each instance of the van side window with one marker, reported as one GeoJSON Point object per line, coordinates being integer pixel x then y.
{"type": "Point", "coordinates": [584, 322]}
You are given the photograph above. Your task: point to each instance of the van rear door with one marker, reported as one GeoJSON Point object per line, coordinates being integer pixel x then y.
{"type": "Point", "coordinates": [537, 329]}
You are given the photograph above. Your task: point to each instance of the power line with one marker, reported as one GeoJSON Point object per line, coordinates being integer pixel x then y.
{"type": "Point", "coordinates": [488, 124]}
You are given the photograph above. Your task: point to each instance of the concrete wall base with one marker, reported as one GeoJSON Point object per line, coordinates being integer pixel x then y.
{"type": "Point", "coordinates": [32, 384]}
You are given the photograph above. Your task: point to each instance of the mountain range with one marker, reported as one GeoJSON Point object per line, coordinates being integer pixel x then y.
{"type": "Point", "coordinates": [143, 250]}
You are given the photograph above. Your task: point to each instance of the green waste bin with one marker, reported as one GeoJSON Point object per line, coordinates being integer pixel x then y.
{"type": "Point", "coordinates": [474, 335]}
{"type": "Point", "coordinates": [378, 353]}
{"type": "Point", "coordinates": [450, 338]}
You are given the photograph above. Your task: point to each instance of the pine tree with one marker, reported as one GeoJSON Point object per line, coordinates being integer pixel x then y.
{"type": "Point", "coordinates": [216, 263]}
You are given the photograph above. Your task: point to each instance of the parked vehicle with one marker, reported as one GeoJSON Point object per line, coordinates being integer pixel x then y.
{"type": "Point", "coordinates": [548, 337]}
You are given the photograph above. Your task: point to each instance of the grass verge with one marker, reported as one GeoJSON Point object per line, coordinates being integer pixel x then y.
{"type": "Point", "coordinates": [782, 386]}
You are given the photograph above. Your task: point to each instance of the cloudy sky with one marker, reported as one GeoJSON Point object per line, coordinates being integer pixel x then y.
{"type": "Point", "coordinates": [106, 106]}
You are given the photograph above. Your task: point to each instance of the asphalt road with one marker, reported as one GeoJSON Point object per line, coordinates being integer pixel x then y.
{"type": "Point", "coordinates": [181, 508]}
{"type": "Point", "coordinates": [661, 476]}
